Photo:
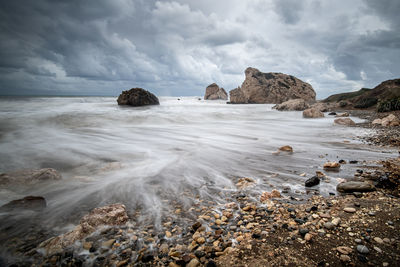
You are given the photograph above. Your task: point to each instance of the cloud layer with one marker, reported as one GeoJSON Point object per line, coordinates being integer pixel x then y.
{"type": "Point", "coordinates": [179, 47]}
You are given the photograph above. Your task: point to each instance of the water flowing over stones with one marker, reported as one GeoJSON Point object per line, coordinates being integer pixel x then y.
{"type": "Point", "coordinates": [137, 97]}
{"type": "Point", "coordinates": [29, 176]}
{"type": "Point", "coordinates": [272, 88]}
{"type": "Point", "coordinates": [214, 92]}
{"type": "Point", "coordinates": [104, 216]}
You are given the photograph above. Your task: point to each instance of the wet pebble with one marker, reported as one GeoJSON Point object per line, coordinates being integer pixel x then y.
{"type": "Point", "coordinates": [349, 210]}
{"type": "Point", "coordinates": [362, 249]}
{"type": "Point", "coordinates": [329, 225]}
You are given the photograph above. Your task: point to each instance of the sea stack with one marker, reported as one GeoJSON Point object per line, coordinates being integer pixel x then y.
{"type": "Point", "coordinates": [270, 88]}
{"type": "Point", "coordinates": [214, 92]}
{"type": "Point", "coordinates": [137, 97]}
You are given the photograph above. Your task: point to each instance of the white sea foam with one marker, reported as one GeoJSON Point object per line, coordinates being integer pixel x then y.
{"type": "Point", "coordinates": [149, 157]}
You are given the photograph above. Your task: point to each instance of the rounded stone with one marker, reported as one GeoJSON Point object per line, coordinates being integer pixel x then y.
{"type": "Point", "coordinates": [362, 249]}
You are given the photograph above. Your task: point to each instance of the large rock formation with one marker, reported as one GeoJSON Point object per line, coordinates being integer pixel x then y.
{"type": "Point", "coordinates": [272, 88]}
{"type": "Point", "coordinates": [104, 216]}
{"type": "Point", "coordinates": [137, 97]}
{"type": "Point", "coordinates": [214, 92]}
{"type": "Point", "coordinates": [29, 176]}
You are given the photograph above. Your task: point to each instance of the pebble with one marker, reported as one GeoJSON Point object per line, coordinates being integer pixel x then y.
{"type": "Point", "coordinates": [87, 245]}
{"type": "Point", "coordinates": [349, 210]}
{"type": "Point", "coordinates": [303, 231]}
{"type": "Point", "coordinates": [345, 258]}
{"type": "Point", "coordinates": [386, 240]}
{"type": "Point", "coordinates": [357, 240]}
{"type": "Point", "coordinates": [371, 213]}
{"type": "Point", "coordinates": [336, 221]}
{"type": "Point", "coordinates": [307, 237]}
{"type": "Point", "coordinates": [362, 249]}
{"type": "Point", "coordinates": [344, 250]}
{"type": "Point", "coordinates": [378, 240]}
{"type": "Point", "coordinates": [193, 263]}
{"type": "Point", "coordinates": [378, 249]}
{"type": "Point", "coordinates": [390, 222]}
{"type": "Point", "coordinates": [385, 264]}
{"type": "Point", "coordinates": [329, 225]}
{"type": "Point", "coordinates": [108, 243]}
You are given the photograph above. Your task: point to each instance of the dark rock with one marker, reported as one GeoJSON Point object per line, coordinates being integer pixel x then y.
{"type": "Point", "coordinates": [211, 264]}
{"type": "Point", "coordinates": [29, 176]}
{"type": "Point", "coordinates": [385, 182]}
{"type": "Point", "coordinates": [196, 226]}
{"type": "Point", "coordinates": [312, 181]}
{"type": "Point", "coordinates": [199, 253]}
{"type": "Point", "coordinates": [148, 256]}
{"type": "Point", "coordinates": [137, 97]}
{"type": "Point", "coordinates": [353, 161]}
{"type": "Point", "coordinates": [332, 113]}
{"type": "Point", "coordinates": [354, 186]}
{"type": "Point", "coordinates": [342, 161]}
{"type": "Point", "coordinates": [303, 231]}
{"type": "Point", "coordinates": [29, 202]}
{"type": "Point", "coordinates": [362, 249]}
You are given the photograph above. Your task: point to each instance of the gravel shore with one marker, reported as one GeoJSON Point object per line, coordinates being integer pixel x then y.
{"type": "Point", "coordinates": [353, 229]}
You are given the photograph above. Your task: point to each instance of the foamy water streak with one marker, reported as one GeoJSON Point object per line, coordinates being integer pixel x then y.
{"type": "Point", "coordinates": [149, 157]}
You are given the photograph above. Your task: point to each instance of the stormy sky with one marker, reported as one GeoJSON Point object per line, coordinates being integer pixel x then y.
{"type": "Point", "coordinates": [100, 47]}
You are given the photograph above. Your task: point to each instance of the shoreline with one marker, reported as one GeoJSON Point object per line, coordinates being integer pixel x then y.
{"type": "Point", "coordinates": [246, 232]}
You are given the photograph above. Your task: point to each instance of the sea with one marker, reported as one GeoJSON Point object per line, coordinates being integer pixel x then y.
{"type": "Point", "coordinates": [155, 158]}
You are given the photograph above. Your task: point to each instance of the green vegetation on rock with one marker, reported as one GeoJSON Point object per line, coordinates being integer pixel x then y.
{"type": "Point", "coordinates": [389, 105]}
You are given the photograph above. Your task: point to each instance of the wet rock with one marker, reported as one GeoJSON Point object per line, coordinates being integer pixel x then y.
{"type": "Point", "coordinates": [378, 240]}
{"type": "Point", "coordinates": [329, 225]}
{"type": "Point", "coordinates": [349, 210]}
{"type": "Point", "coordinates": [137, 97]}
{"type": "Point", "coordinates": [344, 121]}
{"type": "Point", "coordinates": [29, 176]}
{"type": "Point", "coordinates": [266, 195]}
{"type": "Point", "coordinates": [147, 257]}
{"type": "Point", "coordinates": [362, 249]}
{"type": "Point", "coordinates": [331, 166]}
{"type": "Point", "coordinates": [343, 114]}
{"type": "Point", "coordinates": [193, 263]}
{"type": "Point", "coordinates": [345, 258]}
{"type": "Point", "coordinates": [332, 113]}
{"type": "Point", "coordinates": [214, 92]}
{"type": "Point", "coordinates": [288, 149]}
{"type": "Point", "coordinates": [263, 88]}
{"type": "Point", "coordinates": [354, 186]}
{"type": "Point", "coordinates": [292, 105]}
{"type": "Point", "coordinates": [26, 203]}
{"type": "Point", "coordinates": [104, 216]}
{"type": "Point", "coordinates": [313, 181]}
{"type": "Point", "coordinates": [303, 231]}
{"type": "Point", "coordinates": [244, 182]}
{"type": "Point", "coordinates": [313, 113]}
{"type": "Point", "coordinates": [108, 243]}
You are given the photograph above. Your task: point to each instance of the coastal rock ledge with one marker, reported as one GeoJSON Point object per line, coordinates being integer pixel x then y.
{"type": "Point", "coordinates": [214, 92]}
{"type": "Point", "coordinates": [270, 88]}
{"type": "Point", "coordinates": [137, 97]}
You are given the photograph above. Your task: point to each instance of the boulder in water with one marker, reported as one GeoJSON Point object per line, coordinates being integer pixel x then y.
{"type": "Point", "coordinates": [313, 181]}
{"type": "Point", "coordinates": [137, 97]}
{"type": "Point", "coordinates": [270, 88]}
{"type": "Point", "coordinates": [214, 92]}
{"type": "Point", "coordinates": [354, 186]}
{"type": "Point", "coordinates": [345, 122]}
{"type": "Point", "coordinates": [312, 113]}
{"type": "Point", "coordinates": [292, 105]}
{"type": "Point", "coordinates": [29, 176]}
{"type": "Point", "coordinates": [26, 203]}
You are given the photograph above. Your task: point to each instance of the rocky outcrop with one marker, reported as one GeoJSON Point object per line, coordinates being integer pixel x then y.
{"type": "Point", "coordinates": [270, 88]}
{"type": "Point", "coordinates": [292, 105]}
{"type": "Point", "coordinates": [137, 97]}
{"type": "Point", "coordinates": [104, 216]}
{"type": "Point", "coordinates": [26, 203]}
{"type": "Point", "coordinates": [214, 92]}
{"type": "Point", "coordinates": [29, 176]}
{"type": "Point", "coordinates": [354, 186]}
{"type": "Point", "coordinates": [312, 113]}
{"type": "Point", "coordinates": [390, 120]}
{"type": "Point", "coordinates": [345, 122]}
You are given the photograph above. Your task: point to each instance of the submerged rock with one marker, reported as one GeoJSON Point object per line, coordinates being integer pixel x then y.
{"type": "Point", "coordinates": [214, 92]}
{"type": "Point", "coordinates": [313, 181]}
{"type": "Point", "coordinates": [137, 97]}
{"type": "Point", "coordinates": [313, 113]}
{"type": "Point", "coordinates": [344, 121]}
{"type": "Point", "coordinates": [104, 216]}
{"type": "Point", "coordinates": [29, 202]}
{"type": "Point", "coordinates": [29, 176]}
{"type": "Point", "coordinates": [272, 88]}
{"type": "Point", "coordinates": [354, 186]}
{"type": "Point", "coordinates": [331, 166]}
{"type": "Point", "coordinates": [292, 105]}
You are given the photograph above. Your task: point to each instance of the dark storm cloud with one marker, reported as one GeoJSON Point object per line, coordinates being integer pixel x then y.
{"type": "Point", "coordinates": [178, 47]}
